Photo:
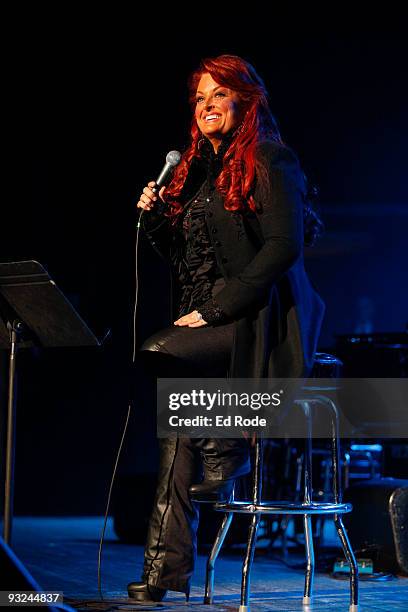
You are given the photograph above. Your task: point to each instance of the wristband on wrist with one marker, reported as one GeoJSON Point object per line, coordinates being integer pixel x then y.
{"type": "Point", "coordinates": [211, 312]}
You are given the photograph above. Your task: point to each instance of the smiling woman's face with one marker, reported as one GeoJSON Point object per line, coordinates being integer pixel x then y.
{"type": "Point", "coordinates": [218, 109]}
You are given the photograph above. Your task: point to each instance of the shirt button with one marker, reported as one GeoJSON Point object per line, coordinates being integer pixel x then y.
{"type": "Point", "coordinates": [217, 243]}
{"type": "Point", "coordinates": [208, 199]}
{"type": "Point", "coordinates": [214, 230]}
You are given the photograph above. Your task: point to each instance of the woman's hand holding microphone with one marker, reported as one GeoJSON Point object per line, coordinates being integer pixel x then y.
{"type": "Point", "coordinates": [149, 197]}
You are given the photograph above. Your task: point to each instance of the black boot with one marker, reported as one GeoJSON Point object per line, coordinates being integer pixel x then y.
{"type": "Point", "coordinates": [224, 459]}
{"type": "Point", "coordinates": [172, 526]}
{"type": "Point", "coordinates": [212, 491]}
{"type": "Point", "coordinates": [145, 593]}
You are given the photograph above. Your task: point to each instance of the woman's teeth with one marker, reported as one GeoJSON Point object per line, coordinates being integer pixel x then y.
{"type": "Point", "coordinates": [212, 117]}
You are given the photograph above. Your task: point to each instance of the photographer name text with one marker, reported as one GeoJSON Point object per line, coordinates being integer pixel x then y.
{"type": "Point", "coordinates": [218, 421]}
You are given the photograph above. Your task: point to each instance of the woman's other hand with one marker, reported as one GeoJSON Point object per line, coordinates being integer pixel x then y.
{"type": "Point", "coordinates": [148, 197]}
{"type": "Point", "coordinates": [192, 319]}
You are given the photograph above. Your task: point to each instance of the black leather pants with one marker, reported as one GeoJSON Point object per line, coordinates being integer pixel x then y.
{"type": "Point", "coordinates": [171, 544]}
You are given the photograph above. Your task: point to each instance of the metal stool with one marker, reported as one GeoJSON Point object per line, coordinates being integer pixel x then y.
{"type": "Point", "coordinates": [256, 507]}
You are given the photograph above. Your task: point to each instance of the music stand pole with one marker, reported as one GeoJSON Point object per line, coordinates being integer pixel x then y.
{"type": "Point", "coordinates": [15, 329]}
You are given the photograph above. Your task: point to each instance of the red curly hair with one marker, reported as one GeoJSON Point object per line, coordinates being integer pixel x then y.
{"type": "Point", "coordinates": [237, 177]}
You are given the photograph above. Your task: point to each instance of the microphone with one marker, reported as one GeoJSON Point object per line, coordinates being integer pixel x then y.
{"type": "Point", "coordinates": [172, 160]}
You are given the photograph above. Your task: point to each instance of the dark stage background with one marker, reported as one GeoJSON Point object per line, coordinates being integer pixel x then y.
{"type": "Point", "coordinates": [92, 116]}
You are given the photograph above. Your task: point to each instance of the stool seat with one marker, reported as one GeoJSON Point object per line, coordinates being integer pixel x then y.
{"type": "Point", "coordinates": [283, 507]}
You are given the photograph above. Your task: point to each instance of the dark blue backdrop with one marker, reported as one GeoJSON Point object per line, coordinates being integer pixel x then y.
{"type": "Point", "coordinates": [93, 114]}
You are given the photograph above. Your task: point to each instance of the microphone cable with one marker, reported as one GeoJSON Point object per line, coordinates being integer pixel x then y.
{"type": "Point", "coordinates": [172, 160]}
{"type": "Point", "coordinates": [102, 538]}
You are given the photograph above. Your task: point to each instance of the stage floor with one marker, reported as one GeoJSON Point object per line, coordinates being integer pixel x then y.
{"type": "Point", "coordinates": [61, 554]}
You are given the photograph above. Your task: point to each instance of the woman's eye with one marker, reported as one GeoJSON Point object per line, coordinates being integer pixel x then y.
{"type": "Point", "coordinates": [219, 94]}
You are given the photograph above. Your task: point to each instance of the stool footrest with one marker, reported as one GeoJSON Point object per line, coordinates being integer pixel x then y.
{"type": "Point", "coordinates": [247, 507]}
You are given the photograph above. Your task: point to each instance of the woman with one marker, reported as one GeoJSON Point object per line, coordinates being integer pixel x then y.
{"type": "Point", "coordinates": [234, 234]}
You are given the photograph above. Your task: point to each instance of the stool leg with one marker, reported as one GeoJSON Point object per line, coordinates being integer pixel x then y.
{"type": "Point", "coordinates": [310, 565]}
{"type": "Point", "coordinates": [335, 447]}
{"type": "Point", "coordinates": [337, 491]}
{"type": "Point", "coordinates": [307, 519]}
{"type": "Point", "coordinates": [308, 487]}
{"type": "Point", "coordinates": [253, 527]}
{"type": "Point", "coordinates": [247, 565]}
{"type": "Point", "coordinates": [348, 553]}
{"type": "Point", "coordinates": [219, 541]}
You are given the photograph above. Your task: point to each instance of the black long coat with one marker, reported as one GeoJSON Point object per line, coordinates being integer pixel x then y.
{"type": "Point", "coordinates": [276, 310]}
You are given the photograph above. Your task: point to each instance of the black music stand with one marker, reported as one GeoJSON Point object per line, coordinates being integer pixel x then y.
{"type": "Point", "coordinates": [33, 312]}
